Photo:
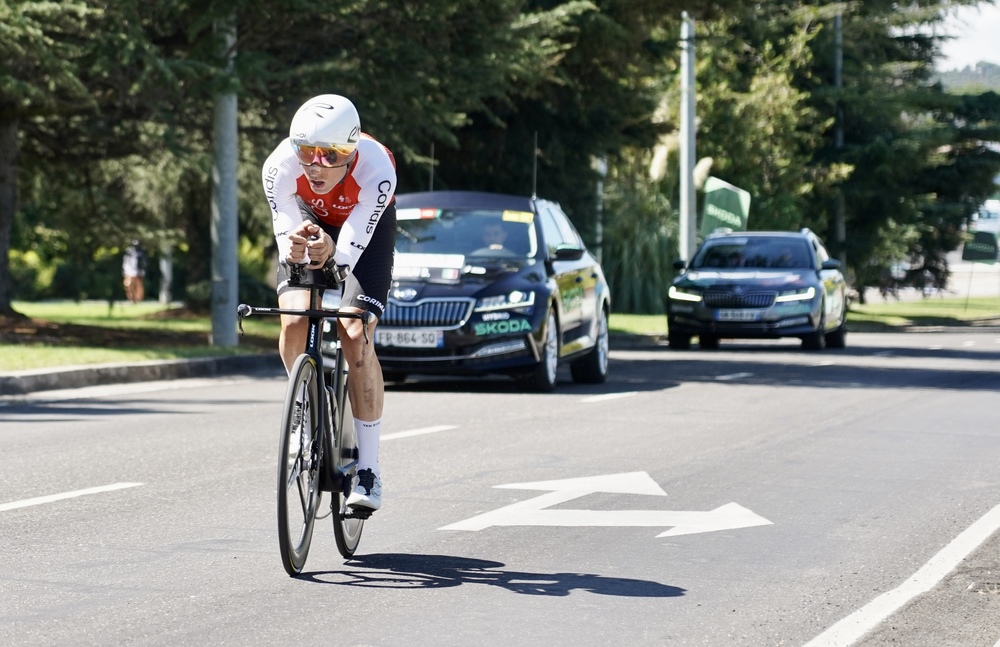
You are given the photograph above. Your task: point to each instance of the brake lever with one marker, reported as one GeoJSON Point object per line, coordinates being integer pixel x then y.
{"type": "Point", "coordinates": [242, 310]}
{"type": "Point", "coordinates": [366, 318]}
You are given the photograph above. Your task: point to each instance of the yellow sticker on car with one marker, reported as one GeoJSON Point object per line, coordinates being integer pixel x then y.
{"type": "Point", "coordinates": [518, 216]}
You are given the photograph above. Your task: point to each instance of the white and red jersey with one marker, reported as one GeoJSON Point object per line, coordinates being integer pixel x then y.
{"type": "Point", "coordinates": [355, 205]}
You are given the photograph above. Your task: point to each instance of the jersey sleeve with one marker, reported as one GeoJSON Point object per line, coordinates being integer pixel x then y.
{"type": "Point", "coordinates": [376, 179]}
{"type": "Point", "coordinates": [278, 176]}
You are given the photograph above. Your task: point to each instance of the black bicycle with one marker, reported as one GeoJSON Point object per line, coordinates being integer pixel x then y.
{"type": "Point", "coordinates": [318, 449]}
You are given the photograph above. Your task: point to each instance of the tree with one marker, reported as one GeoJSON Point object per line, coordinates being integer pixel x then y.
{"type": "Point", "coordinates": [85, 79]}
{"type": "Point", "coordinates": [38, 41]}
{"type": "Point", "coordinates": [896, 127]}
{"type": "Point", "coordinates": [606, 65]}
{"type": "Point", "coordinates": [757, 122]}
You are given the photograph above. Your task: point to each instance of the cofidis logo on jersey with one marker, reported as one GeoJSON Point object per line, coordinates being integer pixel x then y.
{"type": "Point", "coordinates": [384, 187]}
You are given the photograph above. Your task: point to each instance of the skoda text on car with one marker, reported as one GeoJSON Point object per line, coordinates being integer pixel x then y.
{"type": "Point", "coordinates": [487, 283]}
{"type": "Point", "coordinates": [759, 285]}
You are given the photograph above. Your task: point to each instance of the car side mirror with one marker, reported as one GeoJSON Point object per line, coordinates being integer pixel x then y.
{"type": "Point", "coordinates": [831, 264]}
{"type": "Point", "coordinates": [679, 264]}
{"type": "Point", "coordinates": [565, 252]}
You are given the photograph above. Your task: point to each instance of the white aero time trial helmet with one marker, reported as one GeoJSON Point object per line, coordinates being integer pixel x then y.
{"type": "Point", "coordinates": [325, 131]}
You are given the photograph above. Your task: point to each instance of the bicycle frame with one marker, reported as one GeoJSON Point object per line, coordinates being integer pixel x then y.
{"type": "Point", "coordinates": [331, 478]}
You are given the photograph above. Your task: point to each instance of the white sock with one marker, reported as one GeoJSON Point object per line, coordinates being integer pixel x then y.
{"type": "Point", "coordinates": [368, 440]}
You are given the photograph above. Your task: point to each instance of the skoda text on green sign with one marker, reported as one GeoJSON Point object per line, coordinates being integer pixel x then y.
{"type": "Point", "coordinates": [725, 206]}
{"type": "Point", "coordinates": [982, 248]}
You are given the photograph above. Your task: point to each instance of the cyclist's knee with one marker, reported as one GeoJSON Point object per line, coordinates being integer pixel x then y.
{"type": "Point", "coordinates": [294, 323]}
{"type": "Point", "coordinates": [358, 344]}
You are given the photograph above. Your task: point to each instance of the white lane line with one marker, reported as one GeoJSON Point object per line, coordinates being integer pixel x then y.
{"type": "Point", "coordinates": [609, 396]}
{"type": "Point", "coordinates": [734, 376]}
{"type": "Point", "coordinates": [847, 631]}
{"type": "Point", "coordinates": [65, 495]}
{"type": "Point", "coordinates": [418, 432]}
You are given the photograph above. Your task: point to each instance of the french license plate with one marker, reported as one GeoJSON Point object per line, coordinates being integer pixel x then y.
{"type": "Point", "coordinates": [409, 338]}
{"type": "Point", "coordinates": [737, 315]}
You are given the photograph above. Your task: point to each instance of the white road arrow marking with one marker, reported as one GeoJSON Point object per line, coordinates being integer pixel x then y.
{"type": "Point", "coordinates": [534, 512]}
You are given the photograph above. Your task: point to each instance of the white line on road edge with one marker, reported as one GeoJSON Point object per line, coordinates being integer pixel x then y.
{"type": "Point", "coordinates": [733, 376]}
{"type": "Point", "coordinates": [609, 396]}
{"type": "Point", "coordinates": [418, 432]}
{"type": "Point", "coordinates": [850, 629]}
{"type": "Point", "coordinates": [65, 495]}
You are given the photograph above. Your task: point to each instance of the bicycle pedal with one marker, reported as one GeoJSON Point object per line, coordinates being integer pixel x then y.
{"type": "Point", "coordinates": [358, 513]}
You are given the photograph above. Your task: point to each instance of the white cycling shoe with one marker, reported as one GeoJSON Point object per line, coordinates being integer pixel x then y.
{"type": "Point", "coordinates": [366, 491]}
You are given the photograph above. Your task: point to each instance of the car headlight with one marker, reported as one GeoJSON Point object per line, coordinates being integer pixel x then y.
{"type": "Point", "coordinates": [677, 294]}
{"type": "Point", "coordinates": [515, 300]}
{"type": "Point", "coordinates": [802, 294]}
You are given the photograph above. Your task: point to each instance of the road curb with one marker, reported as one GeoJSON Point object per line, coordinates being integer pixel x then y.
{"type": "Point", "coordinates": [72, 377]}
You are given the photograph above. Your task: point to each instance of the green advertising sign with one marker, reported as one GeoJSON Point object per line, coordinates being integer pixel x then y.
{"type": "Point", "coordinates": [725, 206]}
{"type": "Point", "coordinates": [982, 248]}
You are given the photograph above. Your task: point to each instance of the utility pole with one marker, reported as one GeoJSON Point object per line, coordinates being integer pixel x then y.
{"type": "Point", "coordinates": [839, 226]}
{"type": "Point", "coordinates": [687, 216]}
{"type": "Point", "coordinates": [600, 165]}
{"type": "Point", "coordinates": [225, 268]}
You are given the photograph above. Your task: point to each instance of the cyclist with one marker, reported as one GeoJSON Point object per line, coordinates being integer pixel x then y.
{"type": "Point", "coordinates": [331, 191]}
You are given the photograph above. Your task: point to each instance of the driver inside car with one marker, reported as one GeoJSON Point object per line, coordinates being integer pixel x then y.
{"type": "Point", "coordinates": [494, 235]}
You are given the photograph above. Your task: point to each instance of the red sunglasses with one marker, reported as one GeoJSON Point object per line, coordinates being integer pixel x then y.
{"type": "Point", "coordinates": [325, 157]}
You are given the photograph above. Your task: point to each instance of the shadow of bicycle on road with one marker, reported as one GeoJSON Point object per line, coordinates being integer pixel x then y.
{"type": "Point", "coordinates": [401, 571]}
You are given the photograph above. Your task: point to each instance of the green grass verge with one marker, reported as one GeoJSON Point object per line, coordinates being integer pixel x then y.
{"type": "Point", "coordinates": [157, 320]}
{"type": "Point", "coordinates": [933, 311]}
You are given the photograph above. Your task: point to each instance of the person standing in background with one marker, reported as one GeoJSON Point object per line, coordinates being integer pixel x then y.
{"type": "Point", "coordinates": [134, 272]}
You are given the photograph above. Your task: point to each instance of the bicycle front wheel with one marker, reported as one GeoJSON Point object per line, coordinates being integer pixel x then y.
{"type": "Point", "coordinates": [347, 526]}
{"type": "Point", "coordinates": [299, 458]}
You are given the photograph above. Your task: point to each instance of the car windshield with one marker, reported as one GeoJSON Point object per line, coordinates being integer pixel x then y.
{"type": "Point", "coordinates": [754, 253]}
{"type": "Point", "coordinates": [483, 233]}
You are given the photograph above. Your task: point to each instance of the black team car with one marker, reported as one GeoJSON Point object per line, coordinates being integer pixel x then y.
{"type": "Point", "coordinates": [487, 283]}
{"type": "Point", "coordinates": [763, 284]}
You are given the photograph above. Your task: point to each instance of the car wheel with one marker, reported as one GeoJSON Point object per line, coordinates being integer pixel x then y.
{"type": "Point", "coordinates": [543, 378]}
{"type": "Point", "coordinates": [816, 340]}
{"type": "Point", "coordinates": [678, 341]}
{"type": "Point", "coordinates": [838, 337]}
{"type": "Point", "coordinates": [708, 342]}
{"type": "Point", "coordinates": [593, 367]}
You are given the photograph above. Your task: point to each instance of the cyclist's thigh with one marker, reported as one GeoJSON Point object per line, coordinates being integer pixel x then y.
{"type": "Point", "coordinates": [367, 287]}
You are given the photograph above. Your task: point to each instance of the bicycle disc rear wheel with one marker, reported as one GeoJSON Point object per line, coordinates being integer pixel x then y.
{"type": "Point", "coordinates": [347, 529]}
{"type": "Point", "coordinates": [299, 455]}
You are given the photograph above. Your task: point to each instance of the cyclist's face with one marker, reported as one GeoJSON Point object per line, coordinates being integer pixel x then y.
{"type": "Point", "coordinates": [322, 179]}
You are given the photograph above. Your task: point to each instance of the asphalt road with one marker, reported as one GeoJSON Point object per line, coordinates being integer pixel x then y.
{"type": "Point", "coordinates": [756, 495]}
